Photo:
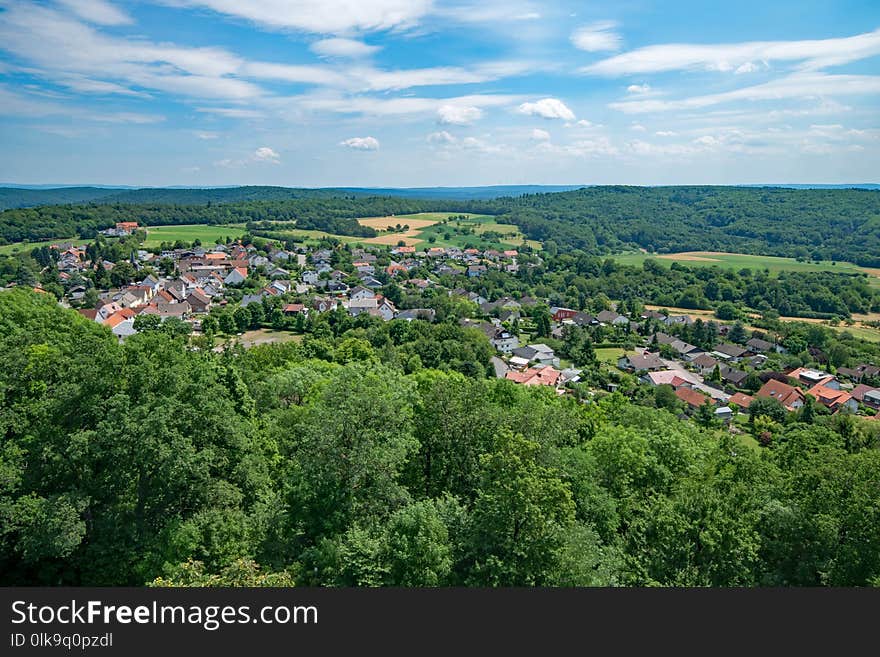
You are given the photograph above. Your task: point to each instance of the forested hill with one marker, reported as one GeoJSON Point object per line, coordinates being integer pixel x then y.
{"type": "Point", "coordinates": [13, 197]}
{"type": "Point", "coordinates": [834, 224]}
{"type": "Point", "coordinates": [827, 224]}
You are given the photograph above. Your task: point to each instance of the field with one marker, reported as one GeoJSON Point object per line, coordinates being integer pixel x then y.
{"type": "Point", "coordinates": [742, 260]}
{"type": "Point", "coordinates": [208, 234]}
{"type": "Point", "coordinates": [609, 355]}
{"type": "Point", "coordinates": [433, 229]}
{"type": "Point", "coordinates": [25, 247]}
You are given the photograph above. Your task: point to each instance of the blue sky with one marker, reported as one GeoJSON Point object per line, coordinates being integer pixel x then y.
{"type": "Point", "coordinates": [434, 92]}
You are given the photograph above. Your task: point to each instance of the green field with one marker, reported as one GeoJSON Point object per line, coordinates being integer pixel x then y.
{"type": "Point", "coordinates": [208, 234]}
{"type": "Point", "coordinates": [313, 236]}
{"type": "Point", "coordinates": [737, 261]}
{"type": "Point", "coordinates": [511, 237]}
{"type": "Point", "coordinates": [609, 355]}
{"type": "Point", "coordinates": [25, 247]}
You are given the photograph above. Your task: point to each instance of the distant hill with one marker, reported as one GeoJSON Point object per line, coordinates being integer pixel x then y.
{"type": "Point", "coordinates": [27, 196]}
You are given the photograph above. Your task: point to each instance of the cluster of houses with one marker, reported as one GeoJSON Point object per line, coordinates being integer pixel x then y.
{"type": "Point", "coordinates": [690, 377]}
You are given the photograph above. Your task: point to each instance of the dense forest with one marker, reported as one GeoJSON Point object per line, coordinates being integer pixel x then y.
{"type": "Point", "coordinates": [824, 224]}
{"type": "Point", "coordinates": [331, 464]}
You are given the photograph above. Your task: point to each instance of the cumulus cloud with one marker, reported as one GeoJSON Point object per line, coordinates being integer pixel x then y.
{"type": "Point", "coordinates": [266, 154]}
{"type": "Point", "coordinates": [458, 114]}
{"type": "Point", "coordinates": [339, 47]}
{"type": "Point", "coordinates": [361, 143]}
{"type": "Point", "coordinates": [638, 89]}
{"type": "Point", "coordinates": [547, 108]}
{"type": "Point", "coordinates": [441, 137]}
{"type": "Point", "coordinates": [597, 37]}
{"type": "Point", "coordinates": [540, 135]}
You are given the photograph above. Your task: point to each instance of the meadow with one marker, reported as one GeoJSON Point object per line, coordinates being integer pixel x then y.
{"type": "Point", "coordinates": [743, 261]}
{"type": "Point", "coordinates": [207, 233]}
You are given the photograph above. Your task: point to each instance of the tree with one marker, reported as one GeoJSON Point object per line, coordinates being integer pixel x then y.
{"type": "Point", "coordinates": [737, 333]}
{"type": "Point", "coordinates": [766, 407]}
{"type": "Point", "coordinates": [518, 525]}
{"type": "Point", "coordinates": [147, 322]}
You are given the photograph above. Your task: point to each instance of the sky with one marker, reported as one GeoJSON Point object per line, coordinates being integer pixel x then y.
{"type": "Point", "coordinates": [404, 93]}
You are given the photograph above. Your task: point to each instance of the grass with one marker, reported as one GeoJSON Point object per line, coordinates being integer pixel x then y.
{"type": "Point", "coordinates": [743, 261]}
{"type": "Point", "coordinates": [25, 247]}
{"type": "Point", "coordinates": [609, 355]}
{"type": "Point", "coordinates": [207, 233]}
{"type": "Point", "coordinates": [266, 336]}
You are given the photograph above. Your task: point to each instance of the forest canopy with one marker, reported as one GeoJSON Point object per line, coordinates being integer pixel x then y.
{"type": "Point", "coordinates": [150, 461]}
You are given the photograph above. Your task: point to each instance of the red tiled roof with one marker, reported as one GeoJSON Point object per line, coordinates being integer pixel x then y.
{"type": "Point", "coordinates": [535, 376]}
{"type": "Point", "coordinates": [741, 400]}
{"type": "Point", "coordinates": [691, 397]}
{"type": "Point", "coordinates": [782, 392]}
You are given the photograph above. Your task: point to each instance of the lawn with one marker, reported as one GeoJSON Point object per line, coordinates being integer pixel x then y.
{"type": "Point", "coordinates": [609, 355]}
{"type": "Point", "coordinates": [207, 233]}
{"type": "Point", "coordinates": [742, 260]}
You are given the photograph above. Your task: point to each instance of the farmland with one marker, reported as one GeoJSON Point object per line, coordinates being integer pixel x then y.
{"type": "Point", "coordinates": [25, 247]}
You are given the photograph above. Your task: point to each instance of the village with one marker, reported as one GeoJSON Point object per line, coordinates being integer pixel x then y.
{"type": "Point", "coordinates": [230, 287]}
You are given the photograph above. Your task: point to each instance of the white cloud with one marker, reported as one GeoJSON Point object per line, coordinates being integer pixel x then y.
{"type": "Point", "coordinates": [548, 108]}
{"type": "Point", "coordinates": [597, 37]}
{"type": "Point", "coordinates": [206, 135]}
{"type": "Point", "coordinates": [441, 137]}
{"type": "Point", "coordinates": [584, 123]}
{"type": "Point", "coordinates": [97, 11]}
{"type": "Point", "coordinates": [665, 133]}
{"type": "Point", "coordinates": [540, 135]}
{"type": "Point", "coordinates": [322, 16]}
{"type": "Point", "coordinates": [750, 67]}
{"type": "Point", "coordinates": [638, 127]}
{"type": "Point", "coordinates": [799, 85]}
{"type": "Point", "coordinates": [638, 89]}
{"type": "Point", "coordinates": [232, 112]}
{"type": "Point", "coordinates": [339, 47]}
{"type": "Point", "coordinates": [361, 143]}
{"type": "Point", "coordinates": [266, 154]}
{"type": "Point", "coordinates": [813, 54]}
{"type": "Point", "coordinates": [458, 115]}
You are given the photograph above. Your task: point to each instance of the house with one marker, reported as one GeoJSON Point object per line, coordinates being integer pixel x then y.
{"type": "Point", "coordinates": [724, 413]}
{"type": "Point", "coordinates": [324, 304]}
{"type": "Point", "coordinates": [248, 299]}
{"type": "Point", "coordinates": [294, 309]}
{"type": "Point", "coordinates": [666, 377]}
{"type": "Point", "coordinates": [860, 372]}
{"type": "Point", "coordinates": [741, 400]}
{"type": "Point", "coordinates": [612, 317]}
{"type": "Point", "coordinates": [503, 340]}
{"type": "Point", "coordinates": [560, 314]}
{"type": "Point", "coordinates": [733, 376]}
{"type": "Point", "coordinates": [279, 272]}
{"type": "Point", "coordinates": [425, 314]}
{"type": "Point", "coordinates": [866, 395]}
{"type": "Point", "coordinates": [810, 378]}
{"type": "Point", "coordinates": [760, 346]}
{"type": "Point", "coordinates": [833, 399]}
{"type": "Point", "coordinates": [639, 362]}
{"type": "Point", "coordinates": [236, 276]}
{"type": "Point", "coordinates": [539, 353]}
{"type": "Point", "coordinates": [535, 376]}
{"type": "Point", "coordinates": [691, 397]}
{"type": "Point", "coordinates": [310, 277]}
{"type": "Point", "coordinates": [789, 396]}
{"type": "Point", "coordinates": [731, 352]}
{"type": "Point", "coordinates": [386, 309]}
{"type": "Point", "coordinates": [359, 293]}
{"type": "Point", "coordinates": [476, 270]}
{"type": "Point", "coordinates": [704, 364]}
{"type": "Point", "coordinates": [199, 301]}
{"type": "Point", "coordinates": [372, 283]}
{"type": "Point", "coordinates": [686, 351]}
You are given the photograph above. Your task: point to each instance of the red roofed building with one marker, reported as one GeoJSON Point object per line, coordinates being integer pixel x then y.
{"type": "Point", "coordinates": [787, 395]}
{"type": "Point", "coordinates": [834, 399]}
{"type": "Point", "coordinates": [535, 376]}
{"type": "Point", "coordinates": [741, 400]}
{"type": "Point", "coordinates": [691, 397]}
{"type": "Point", "coordinates": [126, 226]}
